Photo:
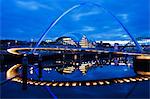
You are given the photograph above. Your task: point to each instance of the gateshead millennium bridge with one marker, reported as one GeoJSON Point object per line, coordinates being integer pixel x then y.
{"type": "Point", "coordinates": [67, 60]}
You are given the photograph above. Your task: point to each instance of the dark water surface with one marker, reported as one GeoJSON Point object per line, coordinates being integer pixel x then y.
{"type": "Point", "coordinates": [128, 90]}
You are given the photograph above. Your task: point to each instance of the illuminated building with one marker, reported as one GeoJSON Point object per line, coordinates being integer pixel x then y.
{"type": "Point", "coordinates": [48, 41]}
{"type": "Point", "coordinates": [84, 42]}
{"type": "Point", "coordinates": [66, 41]}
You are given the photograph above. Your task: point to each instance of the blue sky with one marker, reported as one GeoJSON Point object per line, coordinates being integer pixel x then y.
{"type": "Point", "coordinates": [28, 19]}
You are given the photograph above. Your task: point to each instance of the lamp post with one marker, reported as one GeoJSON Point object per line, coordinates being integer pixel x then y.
{"type": "Point", "coordinates": [24, 71]}
{"type": "Point", "coordinates": [40, 65]}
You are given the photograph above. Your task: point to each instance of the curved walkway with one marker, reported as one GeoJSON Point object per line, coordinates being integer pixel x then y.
{"type": "Point", "coordinates": [13, 72]}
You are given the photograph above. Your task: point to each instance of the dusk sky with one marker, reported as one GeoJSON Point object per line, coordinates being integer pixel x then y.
{"type": "Point", "coordinates": [28, 19]}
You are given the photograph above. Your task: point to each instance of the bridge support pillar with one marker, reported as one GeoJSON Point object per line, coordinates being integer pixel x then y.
{"type": "Point", "coordinates": [126, 59]}
{"type": "Point", "coordinates": [110, 58]}
{"type": "Point", "coordinates": [40, 66]}
{"type": "Point", "coordinates": [81, 58]}
{"type": "Point", "coordinates": [75, 59]}
{"type": "Point", "coordinates": [97, 60]}
{"type": "Point", "coordinates": [24, 71]}
{"type": "Point", "coordinates": [63, 58]}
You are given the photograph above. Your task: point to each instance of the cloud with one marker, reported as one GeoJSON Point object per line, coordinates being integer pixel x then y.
{"type": "Point", "coordinates": [124, 16]}
{"type": "Point", "coordinates": [77, 17]}
{"type": "Point", "coordinates": [32, 5]}
{"type": "Point", "coordinates": [125, 36]}
{"type": "Point", "coordinates": [19, 30]}
{"type": "Point", "coordinates": [117, 30]}
{"type": "Point", "coordinates": [106, 27]}
{"type": "Point", "coordinates": [112, 34]}
{"type": "Point", "coordinates": [108, 36]}
{"type": "Point", "coordinates": [88, 29]}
